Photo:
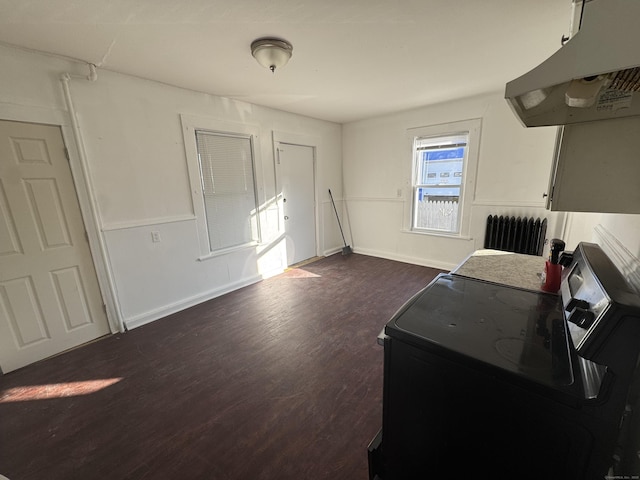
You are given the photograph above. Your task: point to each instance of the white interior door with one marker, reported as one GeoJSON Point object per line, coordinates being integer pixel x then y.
{"type": "Point", "coordinates": [49, 295]}
{"type": "Point", "coordinates": [297, 186]}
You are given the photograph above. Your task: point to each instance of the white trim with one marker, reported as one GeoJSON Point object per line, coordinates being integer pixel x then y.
{"type": "Point", "coordinates": [474, 203]}
{"type": "Point", "coordinates": [148, 223]}
{"type": "Point", "coordinates": [502, 203]}
{"type": "Point", "coordinates": [431, 263]}
{"type": "Point", "coordinates": [295, 138]}
{"type": "Point", "coordinates": [434, 233]}
{"type": "Point", "coordinates": [225, 251]}
{"type": "Point", "coordinates": [192, 123]}
{"type": "Point", "coordinates": [90, 211]}
{"type": "Point", "coordinates": [627, 262]}
{"type": "Point", "coordinates": [474, 127]}
{"type": "Point", "coordinates": [25, 113]}
{"type": "Point", "coordinates": [374, 199]}
{"type": "Point", "coordinates": [156, 314]}
{"type": "Point", "coordinates": [332, 251]}
{"type": "Point", "coordinates": [302, 141]}
{"type": "Point", "coordinates": [84, 191]}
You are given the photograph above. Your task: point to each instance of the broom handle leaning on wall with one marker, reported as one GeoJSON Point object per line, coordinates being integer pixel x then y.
{"type": "Point", "coordinates": [337, 217]}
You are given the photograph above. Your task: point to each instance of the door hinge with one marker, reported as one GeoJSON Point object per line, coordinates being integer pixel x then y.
{"type": "Point", "coordinates": [66, 154]}
{"type": "Point", "coordinates": [86, 236]}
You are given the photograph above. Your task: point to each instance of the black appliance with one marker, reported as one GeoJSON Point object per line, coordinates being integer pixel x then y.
{"type": "Point", "coordinates": [483, 380]}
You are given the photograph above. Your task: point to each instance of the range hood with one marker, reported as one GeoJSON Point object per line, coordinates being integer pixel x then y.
{"type": "Point", "coordinates": [594, 76]}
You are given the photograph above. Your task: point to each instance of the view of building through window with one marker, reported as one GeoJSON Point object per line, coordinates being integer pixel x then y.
{"type": "Point", "coordinates": [438, 181]}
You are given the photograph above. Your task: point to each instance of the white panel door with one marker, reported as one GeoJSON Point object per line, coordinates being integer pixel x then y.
{"type": "Point", "coordinates": [49, 295]}
{"type": "Point", "coordinates": [297, 186]}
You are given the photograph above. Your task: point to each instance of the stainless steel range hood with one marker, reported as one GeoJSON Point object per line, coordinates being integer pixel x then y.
{"type": "Point", "coordinates": [594, 76]}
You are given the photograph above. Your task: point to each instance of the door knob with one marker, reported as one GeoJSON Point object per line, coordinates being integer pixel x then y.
{"type": "Point", "coordinates": [286, 217]}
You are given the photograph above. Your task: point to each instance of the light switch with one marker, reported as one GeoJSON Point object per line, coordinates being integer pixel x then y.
{"type": "Point", "coordinates": [155, 237]}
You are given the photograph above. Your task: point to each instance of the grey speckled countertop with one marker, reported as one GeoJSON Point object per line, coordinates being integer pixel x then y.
{"type": "Point", "coordinates": [513, 269]}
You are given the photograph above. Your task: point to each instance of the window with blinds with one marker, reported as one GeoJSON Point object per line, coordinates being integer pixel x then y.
{"type": "Point", "coordinates": [228, 186]}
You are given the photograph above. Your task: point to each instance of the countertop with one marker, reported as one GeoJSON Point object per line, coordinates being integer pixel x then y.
{"type": "Point", "coordinates": [507, 268]}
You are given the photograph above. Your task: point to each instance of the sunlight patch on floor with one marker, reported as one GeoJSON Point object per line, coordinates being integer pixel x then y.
{"type": "Point", "coordinates": [295, 271]}
{"type": "Point", "coordinates": [304, 262]}
{"type": "Point", "coordinates": [300, 273]}
{"type": "Point", "coordinates": [55, 390]}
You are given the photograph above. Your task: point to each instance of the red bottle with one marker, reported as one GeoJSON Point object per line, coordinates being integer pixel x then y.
{"type": "Point", "coordinates": [552, 269]}
{"type": "Point", "coordinates": [551, 275]}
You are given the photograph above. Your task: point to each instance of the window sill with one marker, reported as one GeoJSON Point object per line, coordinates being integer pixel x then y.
{"type": "Point", "coordinates": [452, 236]}
{"type": "Point", "coordinates": [220, 253]}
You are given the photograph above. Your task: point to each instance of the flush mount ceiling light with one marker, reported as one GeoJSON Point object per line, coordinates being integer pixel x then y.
{"type": "Point", "coordinates": [271, 53]}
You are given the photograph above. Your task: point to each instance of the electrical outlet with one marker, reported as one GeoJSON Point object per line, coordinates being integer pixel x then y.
{"type": "Point", "coordinates": [155, 237]}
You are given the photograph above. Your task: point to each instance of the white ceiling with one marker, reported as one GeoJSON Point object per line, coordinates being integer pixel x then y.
{"type": "Point", "coordinates": [352, 59]}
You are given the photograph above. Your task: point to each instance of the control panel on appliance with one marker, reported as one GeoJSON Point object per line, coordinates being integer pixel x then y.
{"type": "Point", "coordinates": [579, 313]}
{"type": "Point", "coordinates": [585, 303]}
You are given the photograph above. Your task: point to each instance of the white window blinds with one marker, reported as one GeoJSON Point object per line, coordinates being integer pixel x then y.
{"type": "Point", "coordinates": [226, 168]}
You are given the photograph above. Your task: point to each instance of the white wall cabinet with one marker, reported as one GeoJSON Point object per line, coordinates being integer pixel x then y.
{"type": "Point", "coordinates": [597, 167]}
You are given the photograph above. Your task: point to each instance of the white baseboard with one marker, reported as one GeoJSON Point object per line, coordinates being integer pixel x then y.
{"type": "Point", "coordinates": [622, 258]}
{"type": "Point", "coordinates": [331, 251]}
{"type": "Point", "coordinates": [407, 259]}
{"type": "Point", "coordinates": [148, 317]}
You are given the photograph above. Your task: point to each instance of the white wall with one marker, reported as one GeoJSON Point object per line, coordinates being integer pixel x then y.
{"type": "Point", "coordinates": [617, 234]}
{"type": "Point", "coordinates": [138, 177]}
{"type": "Point", "coordinates": [137, 171]}
{"type": "Point", "coordinates": [513, 174]}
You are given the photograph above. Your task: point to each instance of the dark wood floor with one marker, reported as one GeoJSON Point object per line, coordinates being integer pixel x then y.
{"type": "Point", "coordinates": [279, 380]}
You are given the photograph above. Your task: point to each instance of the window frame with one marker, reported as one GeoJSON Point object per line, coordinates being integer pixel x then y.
{"type": "Point", "coordinates": [472, 127]}
{"type": "Point", "coordinates": [190, 125]}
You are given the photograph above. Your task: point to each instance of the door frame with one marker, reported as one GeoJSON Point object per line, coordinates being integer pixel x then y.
{"type": "Point", "coordinates": [302, 141]}
{"type": "Point", "coordinates": [86, 198]}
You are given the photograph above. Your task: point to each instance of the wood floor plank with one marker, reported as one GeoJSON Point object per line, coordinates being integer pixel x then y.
{"type": "Point", "coordinates": [278, 380]}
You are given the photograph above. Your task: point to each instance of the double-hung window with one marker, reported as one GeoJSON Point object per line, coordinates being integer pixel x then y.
{"type": "Point", "coordinates": [444, 159]}
{"type": "Point", "coordinates": [226, 164]}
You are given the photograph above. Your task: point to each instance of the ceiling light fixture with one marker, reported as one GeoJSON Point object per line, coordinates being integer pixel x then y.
{"type": "Point", "coordinates": [271, 53]}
